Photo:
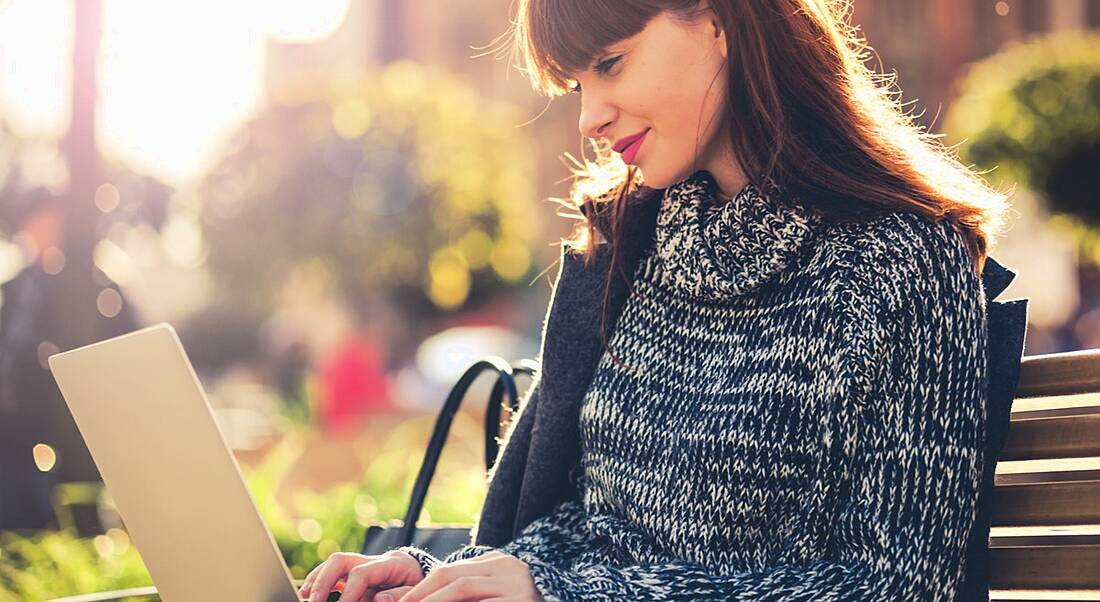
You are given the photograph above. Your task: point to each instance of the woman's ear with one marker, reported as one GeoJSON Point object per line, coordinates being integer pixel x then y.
{"type": "Point", "coordinates": [721, 35]}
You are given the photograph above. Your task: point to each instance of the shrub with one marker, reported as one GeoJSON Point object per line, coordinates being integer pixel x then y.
{"type": "Point", "coordinates": [1032, 111]}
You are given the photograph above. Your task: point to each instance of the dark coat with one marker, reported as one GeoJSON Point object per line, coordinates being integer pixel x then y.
{"type": "Point", "coordinates": [534, 469]}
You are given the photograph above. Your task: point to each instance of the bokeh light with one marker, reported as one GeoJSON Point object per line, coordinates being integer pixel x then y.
{"type": "Point", "coordinates": [351, 118]}
{"type": "Point", "coordinates": [107, 197]}
{"type": "Point", "coordinates": [45, 458]}
{"type": "Point", "coordinates": [120, 538]}
{"type": "Point", "coordinates": [309, 530]}
{"type": "Point", "coordinates": [53, 260]}
{"type": "Point", "coordinates": [298, 21]}
{"type": "Point", "coordinates": [449, 278]}
{"type": "Point", "coordinates": [366, 509]}
{"type": "Point", "coordinates": [104, 545]}
{"type": "Point", "coordinates": [45, 350]}
{"type": "Point", "coordinates": [109, 302]}
{"type": "Point", "coordinates": [327, 547]}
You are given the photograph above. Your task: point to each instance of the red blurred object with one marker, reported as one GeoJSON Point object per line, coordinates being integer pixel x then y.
{"type": "Point", "coordinates": [353, 383]}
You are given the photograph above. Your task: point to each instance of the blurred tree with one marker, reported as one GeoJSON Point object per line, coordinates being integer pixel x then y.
{"type": "Point", "coordinates": [403, 187]}
{"type": "Point", "coordinates": [1033, 112]}
{"type": "Point", "coordinates": [60, 299]}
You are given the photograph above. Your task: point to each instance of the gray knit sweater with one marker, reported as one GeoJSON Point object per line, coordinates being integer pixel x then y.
{"type": "Point", "coordinates": [800, 417]}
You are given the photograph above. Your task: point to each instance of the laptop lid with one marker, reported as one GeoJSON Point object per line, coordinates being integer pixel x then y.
{"type": "Point", "coordinates": [144, 416]}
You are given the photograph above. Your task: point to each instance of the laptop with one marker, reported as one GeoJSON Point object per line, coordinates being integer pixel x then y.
{"type": "Point", "coordinates": [144, 416]}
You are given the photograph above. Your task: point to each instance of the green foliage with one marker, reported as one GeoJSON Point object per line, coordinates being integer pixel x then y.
{"type": "Point", "coordinates": [52, 564]}
{"type": "Point", "coordinates": [1032, 111]}
{"type": "Point", "coordinates": [404, 184]}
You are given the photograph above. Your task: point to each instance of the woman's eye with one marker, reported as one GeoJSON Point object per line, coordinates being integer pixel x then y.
{"type": "Point", "coordinates": [602, 68]}
{"type": "Point", "coordinates": [605, 66]}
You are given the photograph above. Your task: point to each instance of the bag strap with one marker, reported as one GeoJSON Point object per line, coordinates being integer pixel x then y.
{"type": "Point", "coordinates": [443, 427]}
{"type": "Point", "coordinates": [492, 416]}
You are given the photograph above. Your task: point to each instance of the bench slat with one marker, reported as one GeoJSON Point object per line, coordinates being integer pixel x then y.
{"type": "Point", "coordinates": [1025, 478]}
{"type": "Point", "coordinates": [1059, 405]}
{"type": "Point", "coordinates": [1046, 595]}
{"type": "Point", "coordinates": [1045, 566]}
{"type": "Point", "coordinates": [1035, 471]}
{"type": "Point", "coordinates": [1060, 374]}
{"type": "Point", "coordinates": [1060, 437]}
{"type": "Point", "coordinates": [1047, 504]}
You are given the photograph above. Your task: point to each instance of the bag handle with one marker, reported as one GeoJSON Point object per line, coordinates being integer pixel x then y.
{"type": "Point", "coordinates": [492, 416]}
{"type": "Point", "coordinates": [443, 427]}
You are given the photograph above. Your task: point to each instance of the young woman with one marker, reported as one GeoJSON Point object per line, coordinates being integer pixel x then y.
{"type": "Point", "coordinates": [768, 382]}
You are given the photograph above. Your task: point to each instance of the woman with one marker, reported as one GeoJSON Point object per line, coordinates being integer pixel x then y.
{"type": "Point", "coordinates": [788, 402]}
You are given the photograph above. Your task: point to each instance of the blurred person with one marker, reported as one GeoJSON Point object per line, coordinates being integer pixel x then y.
{"type": "Point", "coordinates": [25, 498]}
{"type": "Point", "coordinates": [764, 365]}
{"type": "Point", "coordinates": [32, 410]}
{"type": "Point", "coordinates": [354, 382]}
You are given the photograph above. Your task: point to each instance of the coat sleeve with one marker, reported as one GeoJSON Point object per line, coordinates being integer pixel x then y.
{"type": "Point", "coordinates": [554, 539]}
{"type": "Point", "coordinates": [912, 463]}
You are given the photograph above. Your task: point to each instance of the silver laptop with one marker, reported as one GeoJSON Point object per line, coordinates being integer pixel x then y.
{"type": "Point", "coordinates": [151, 431]}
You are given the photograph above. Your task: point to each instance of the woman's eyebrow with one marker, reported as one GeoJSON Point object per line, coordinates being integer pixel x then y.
{"type": "Point", "coordinates": [601, 57]}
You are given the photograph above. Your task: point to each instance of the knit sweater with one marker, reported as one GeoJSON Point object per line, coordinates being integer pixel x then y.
{"type": "Point", "coordinates": [800, 415]}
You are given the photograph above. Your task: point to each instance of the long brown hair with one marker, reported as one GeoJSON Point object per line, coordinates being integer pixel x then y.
{"type": "Point", "coordinates": [812, 119]}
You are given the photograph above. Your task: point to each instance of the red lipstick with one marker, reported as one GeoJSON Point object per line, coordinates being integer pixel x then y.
{"type": "Point", "coordinates": [628, 147]}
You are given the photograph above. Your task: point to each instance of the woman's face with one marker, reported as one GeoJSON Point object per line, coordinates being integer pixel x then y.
{"type": "Point", "coordinates": [669, 81]}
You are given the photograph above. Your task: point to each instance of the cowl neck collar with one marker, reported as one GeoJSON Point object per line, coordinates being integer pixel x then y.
{"type": "Point", "coordinates": [717, 250]}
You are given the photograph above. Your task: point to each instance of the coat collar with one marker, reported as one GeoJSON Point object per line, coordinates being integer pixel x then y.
{"type": "Point", "coordinates": [717, 250]}
{"type": "Point", "coordinates": [995, 278]}
{"type": "Point", "coordinates": [645, 221]}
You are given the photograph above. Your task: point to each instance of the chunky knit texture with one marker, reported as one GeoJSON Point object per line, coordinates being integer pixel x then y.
{"type": "Point", "coordinates": [800, 417]}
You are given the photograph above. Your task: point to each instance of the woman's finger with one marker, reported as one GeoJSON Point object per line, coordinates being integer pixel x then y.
{"type": "Point", "coordinates": [442, 576]}
{"type": "Point", "coordinates": [368, 577]}
{"type": "Point", "coordinates": [394, 594]}
{"type": "Point", "coordinates": [473, 587]}
{"type": "Point", "coordinates": [310, 576]}
{"type": "Point", "coordinates": [332, 571]}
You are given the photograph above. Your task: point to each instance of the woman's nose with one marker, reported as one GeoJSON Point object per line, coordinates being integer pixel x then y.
{"type": "Point", "coordinates": [595, 119]}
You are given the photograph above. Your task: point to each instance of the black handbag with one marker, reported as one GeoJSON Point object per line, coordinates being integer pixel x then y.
{"type": "Point", "coordinates": [441, 540]}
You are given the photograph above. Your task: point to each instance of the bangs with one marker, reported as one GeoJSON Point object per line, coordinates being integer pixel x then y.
{"type": "Point", "coordinates": [557, 39]}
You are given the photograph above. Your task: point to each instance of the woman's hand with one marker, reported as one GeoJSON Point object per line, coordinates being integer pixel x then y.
{"type": "Point", "coordinates": [363, 576]}
{"type": "Point", "coordinates": [494, 575]}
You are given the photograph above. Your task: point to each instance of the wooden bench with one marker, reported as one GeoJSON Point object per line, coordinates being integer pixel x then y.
{"type": "Point", "coordinates": [1045, 525]}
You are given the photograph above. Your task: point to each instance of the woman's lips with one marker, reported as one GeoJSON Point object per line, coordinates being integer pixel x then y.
{"type": "Point", "coordinates": [631, 150]}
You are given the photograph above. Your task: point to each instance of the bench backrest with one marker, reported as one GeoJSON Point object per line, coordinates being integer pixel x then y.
{"type": "Point", "coordinates": [1045, 534]}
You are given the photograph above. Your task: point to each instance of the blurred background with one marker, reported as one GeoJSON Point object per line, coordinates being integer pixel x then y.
{"type": "Point", "coordinates": [341, 204]}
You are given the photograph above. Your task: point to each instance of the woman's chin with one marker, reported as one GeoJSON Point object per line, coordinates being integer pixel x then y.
{"type": "Point", "coordinates": [655, 179]}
